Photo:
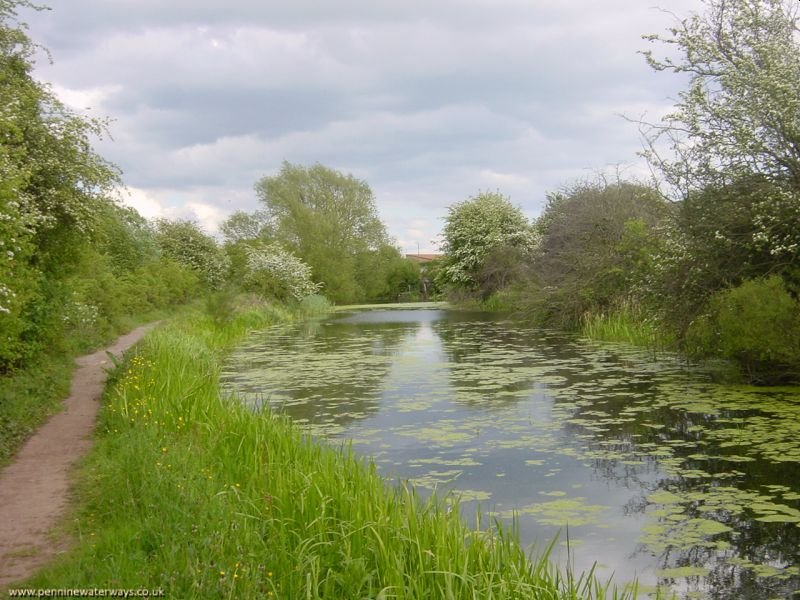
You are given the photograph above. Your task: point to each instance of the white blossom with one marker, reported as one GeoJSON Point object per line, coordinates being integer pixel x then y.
{"type": "Point", "coordinates": [275, 271]}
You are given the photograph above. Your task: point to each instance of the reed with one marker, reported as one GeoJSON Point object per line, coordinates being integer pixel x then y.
{"type": "Point", "coordinates": [625, 322]}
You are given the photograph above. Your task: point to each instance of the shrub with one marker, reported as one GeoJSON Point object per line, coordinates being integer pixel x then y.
{"type": "Point", "coordinates": [277, 273]}
{"type": "Point", "coordinates": [220, 306]}
{"type": "Point", "coordinates": [596, 243]}
{"type": "Point", "coordinates": [314, 305]}
{"type": "Point", "coordinates": [187, 244]}
{"type": "Point", "coordinates": [721, 237]}
{"type": "Point", "coordinates": [476, 230]}
{"type": "Point", "coordinates": [757, 325]}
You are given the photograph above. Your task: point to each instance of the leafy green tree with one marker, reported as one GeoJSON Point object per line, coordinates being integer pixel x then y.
{"type": "Point", "coordinates": [188, 245]}
{"type": "Point", "coordinates": [383, 275]}
{"type": "Point", "coordinates": [243, 232]}
{"type": "Point", "coordinates": [595, 242]}
{"type": "Point", "coordinates": [52, 188]}
{"type": "Point", "coordinates": [403, 279]}
{"type": "Point", "coordinates": [327, 219]}
{"type": "Point", "coordinates": [734, 137]}
{"type": "Point", "coordinates": [720, 237]}
{"type": "Point", "coordinates": [126, 237]}
{"type": "Point", "coordinates": [474, 229]}
{"type": "Point", "coordinates": [741, 112]}
{"type": "Point", "coordinates": [242, 226]}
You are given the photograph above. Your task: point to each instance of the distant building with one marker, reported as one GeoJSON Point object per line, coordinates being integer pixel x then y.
{"type": "Point", "coordinates": [423, 258]}
{"type": "Point", "coordinates": [425, 280]}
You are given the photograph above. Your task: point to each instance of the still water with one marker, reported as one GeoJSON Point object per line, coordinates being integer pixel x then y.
{"type": "Point", "coordinates": [636, 462]}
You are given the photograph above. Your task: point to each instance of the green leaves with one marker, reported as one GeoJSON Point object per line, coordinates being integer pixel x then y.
{"type": "Point", "coordinates": [476, 227]}
{"type": "Point", "coordinates": [596, 242]}
{"type": "Point", "coordinates": [327, 219]}
{"type": "Point", "coordinates": [53, 189]}
{"type": "Point", "coordinates": [741, 112]}
{"type": "Point", "coordinates": [757, 325]}
{"type": "Point", "coordinates": [185, 243]}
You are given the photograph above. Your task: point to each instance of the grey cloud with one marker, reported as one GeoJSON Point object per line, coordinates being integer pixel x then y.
{"type": "Point", "coordinates": [427, 101]}
{"type": "Point", "coordinates": [181, 116]}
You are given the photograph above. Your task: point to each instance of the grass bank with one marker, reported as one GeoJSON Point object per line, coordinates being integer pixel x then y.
{"type": "Point", "coordinates": [193, 493]}
{"type": "Point", "coordinates": [28, 396]}
{"type": "Point", "coordinates": [503, 301]}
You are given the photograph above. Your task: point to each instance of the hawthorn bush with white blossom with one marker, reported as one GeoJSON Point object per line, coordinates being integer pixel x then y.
{"type": "Point", "coordinates": [274, 272]}
{"type": "Point", "coordinates": [473, 230]}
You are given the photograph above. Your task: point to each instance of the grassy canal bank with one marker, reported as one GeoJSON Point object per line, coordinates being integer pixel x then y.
{"type": "Point", "coordinates": [191, 492]}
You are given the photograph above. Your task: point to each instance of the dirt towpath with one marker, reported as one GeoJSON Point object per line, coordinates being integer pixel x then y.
{"type": "Point", "coordinates": [34, 488]}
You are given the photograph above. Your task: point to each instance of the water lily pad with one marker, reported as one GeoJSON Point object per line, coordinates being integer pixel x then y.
{"type": "Point", "coordinates": [682, 572]}
{"type": "Point", "coordinates": [777, 518]}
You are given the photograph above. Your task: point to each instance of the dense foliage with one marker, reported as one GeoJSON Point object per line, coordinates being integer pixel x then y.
{"type": "Point", "coordinates": [277, 273]}
{"type": "Point", "coordinates": [74, 265]}
{"type": "Point", "coordinates": [52, 187]}
{"type": "Point", "coordinates": [76, 268]}
{"type": "Point", "coordinates": [596, 241]}
{"type": "Point", "coordinates": [479, 235]}
{"type": "Point", "coordinates": [730, 257]}
{"type": "Point", "coordinates": [757, 325]}
{"type": "Point", "coordinates": [188, 245]}
{"type": "Point", "coordinates": [327, 219]}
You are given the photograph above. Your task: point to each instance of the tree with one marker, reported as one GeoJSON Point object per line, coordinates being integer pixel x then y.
{"type": "Point", "coordinates": [327, 219]}
{"type": "Point", "coordinates": [126, 237]}
{"type": "Point", "coordinates": [383, 275]}
{"type": "Point", "coordinates": [741, 112]}
{"type": "Point", "coordinates": [242, 232]}
{"type": "Point", "coordinates": [276, 273]}
{"type": "Point", "coordinates": [187, 244]}
{"type": "Point", "coordinates": [53, 188]}
{"type": "Point", "coordinates": [243, 226]}
{"type": "Point", "coordinates": [734, 137]}
{"type": "Point", "coordinates": [595, 239]}
{"type": "Point", "coordinates": [720, 237]}
{"type": "Point", "coordinates": [476, 227]}
{"type": "Point", "coordinates": [404, 279]}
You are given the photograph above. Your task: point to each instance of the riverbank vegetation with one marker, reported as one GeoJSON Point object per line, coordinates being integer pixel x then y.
{"type": "Point", "coordinates": [193, 492]}
{"type": "Point", "coordinates": [706, 258]}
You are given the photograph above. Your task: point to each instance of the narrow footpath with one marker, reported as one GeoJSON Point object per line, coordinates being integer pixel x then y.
{"type": "Point", "coordinates": [34, 488]}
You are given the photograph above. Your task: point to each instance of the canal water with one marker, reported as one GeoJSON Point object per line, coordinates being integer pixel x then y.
{"type": "Point", "coordinates": [635, 462]}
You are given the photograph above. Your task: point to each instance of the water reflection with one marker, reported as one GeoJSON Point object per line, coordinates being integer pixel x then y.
{"type": "Point", "coordinates": [317, 372]}
{"type": "Point", "coordinates": [658, 471]}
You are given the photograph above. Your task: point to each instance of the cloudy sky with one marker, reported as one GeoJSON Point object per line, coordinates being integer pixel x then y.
{"type": "Point", "coordinates": [428, 101]}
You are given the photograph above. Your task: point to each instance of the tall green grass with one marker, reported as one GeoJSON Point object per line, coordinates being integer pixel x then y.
{"type": "Point", "coordinates": [624, 323]}
{"type": "Point", "coordinates": [199, 495]}
{"type": "Point", "coordinates": [315, 305]}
